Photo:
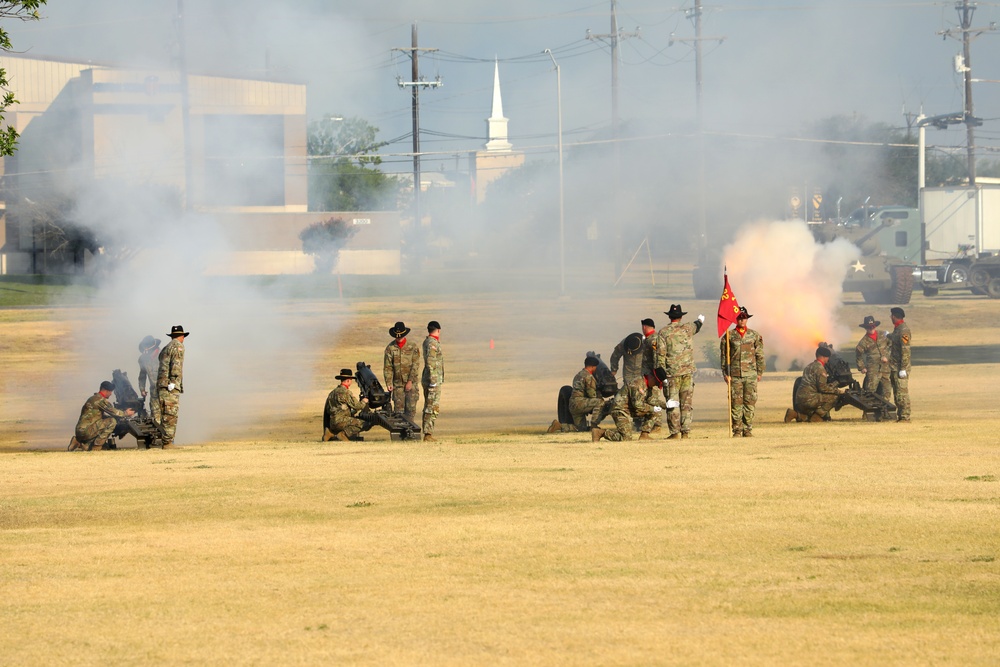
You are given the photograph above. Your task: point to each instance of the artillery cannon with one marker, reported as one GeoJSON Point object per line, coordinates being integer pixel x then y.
{"type": "Point", "coordinates": [379, 412]}
{"type": "Point", "coordinates": [874, 407]}
{"type": "Point", "coordinates": [147, 433]}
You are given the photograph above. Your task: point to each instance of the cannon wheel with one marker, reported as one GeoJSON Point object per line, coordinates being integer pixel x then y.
{"type": "Point", "coordinates": [795, 389]}
{"type": "Point", "coordinates": [562, 405]}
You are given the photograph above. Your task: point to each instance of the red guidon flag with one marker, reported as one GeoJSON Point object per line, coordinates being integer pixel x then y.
{"type": "Point", "coordinates": [728, 307]}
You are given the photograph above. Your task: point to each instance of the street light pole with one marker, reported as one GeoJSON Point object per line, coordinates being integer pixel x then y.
{"type": "Point", "coordinates": [562, 205]}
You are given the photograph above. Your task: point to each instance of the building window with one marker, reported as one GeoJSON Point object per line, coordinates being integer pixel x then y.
{"type": "Point", "coordinates": [244, 160]}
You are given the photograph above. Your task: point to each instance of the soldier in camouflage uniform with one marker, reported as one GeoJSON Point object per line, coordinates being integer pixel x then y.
{"type": "Point", "coordinates": [401, 371]}
{"type": "Point", "coordinates": [341, 411]}
{"type": "Point", "coordinates": [873, 358]}
{"type": "Point", "coordinates": [149, 367]}
{"type": "Point", "coordinates": [899, 363]}
{"type": "Point", "coordinates": [432, 378]}
{"type": "Point", "coordinates": [815, 397]}
{"type": "Point", "coordinates": [97, 422]}
{"type": "Point", "coordinates": [675, 354]}
{"type": "Point", "coordinates": [631, 350]}
{"type": "Point", "coordinates": [742, 370]}
{"type": "Point", "coordinates": [584, 399]}
{"type": "Point", "coordinates": [170, 383]}
{"type": "Point", "coordinates": [631, 403]}
{"type": "Point", "coordinates": [649, 339]}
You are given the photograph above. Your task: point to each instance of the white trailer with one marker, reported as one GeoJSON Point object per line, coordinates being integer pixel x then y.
{"type": "Point", "coordinates": [961, 238]}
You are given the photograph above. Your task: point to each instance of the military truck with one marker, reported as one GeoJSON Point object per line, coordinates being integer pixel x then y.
{"type": "Point", "coordinates": [961, 239]}
{"type": "Point", "coordinates": [889, 240]}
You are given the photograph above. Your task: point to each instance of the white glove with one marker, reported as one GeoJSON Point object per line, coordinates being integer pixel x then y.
{"type": "Point", "coordinates": [170, 387]}
{"type": "Point", "coordinates": [902, 374]}
{"type": "Point", "coordinates": [671, 404]}
{"type": "Point", "coordinates": [701, 318]}
{"type": "Point", "coordinates": [886, 333]}
{"type": "Point", "coordinates": [432, 385]}
{"type": "Point", "coordinates": [657, 408]}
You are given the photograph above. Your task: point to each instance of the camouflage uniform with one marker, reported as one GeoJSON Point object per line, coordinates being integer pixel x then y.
{"type": "Point", "coordinates": [342, 405]}
{"type": "Point", "coordinates": [815, 396]}
{"type": "Point", "coordinates": [402, 365]}
{"type": "Point", "coordinates": [745, 365]}
{"type": "Point", "coordinates": [97, 421]}
{"type": "Point", "coordinates": [873, 361]}
{"type": "Point", "coordinates": [149, 367]}
{"type": "Point", "coordinates": [631, 403]}
{"type": "Point", "coordinates": [171, 371]}
{"type": "Point", "coordinates": [432, 379]}
{"type": "Point", "coordinates": [632, 368]}
{"type": "Point", "coordinates": [675, 355]}
{"type": "Point", "coordinates": [583, 401]}
{"type": "Point", "coordinates": [899, 360]}
{"type": "Point", "coordinates": [655, 393]}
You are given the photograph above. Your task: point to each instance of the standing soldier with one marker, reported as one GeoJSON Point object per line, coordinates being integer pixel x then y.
{"type": "Point", "coordinates": [341, 411]}
{"type": "Point", "coordinates": [170, 383]}
{"type": "Point", "coordinates": [649, 339]}
{"type": "Point", "coordinates": [742, 367]}
{"type": "Point", "coordinates": [149, 367]}
{"type": "Point", "coordinates": [873, 358]}
{"type": "Point", "coordinates": [631, 349]}
{"type": "Point", "coordinates": [675, 354]}
{"type": "Point", "coordinates": [632, 403]}
{"type": "Point", "coordinates": [432, 379]}
{"type": "Point", "coordinates": [401, 370]}
{"type": "Point", "coordinates": [899, 363]}
{"type": "Point", "coordinates": [97, 422]}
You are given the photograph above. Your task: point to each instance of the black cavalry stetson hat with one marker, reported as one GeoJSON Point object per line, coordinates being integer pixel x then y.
{"type": "Point", "coordinates": [869, 322]}
{"type": "Point", "coordinates": [148, 343]}
{"type": "Point", "coordinates": [633, 343]}
{"type": "Point", "coordinates": [675, 312]}
{"type": "Point", "coordinates": [346, 374]}
{"type": "Point", "coordinates": [399, 330]}
{"type": "Point", "coordinates": [743, 313]}
{"type": "Point", "coordinates": [178, 330]}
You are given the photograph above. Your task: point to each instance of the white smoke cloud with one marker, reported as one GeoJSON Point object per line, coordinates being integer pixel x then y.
{"type": "Point", "coordinates": [791, 284]}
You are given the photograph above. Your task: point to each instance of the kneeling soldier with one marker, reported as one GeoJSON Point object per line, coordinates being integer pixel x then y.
{"type": "Point", "coordinates": [98, 419]}
{"type": "Point", "coordinates": [584, 399]}
{"type": "Point", "coordinates": [341, 410]}
{"type": "Point", "coordinates": [633, 402]}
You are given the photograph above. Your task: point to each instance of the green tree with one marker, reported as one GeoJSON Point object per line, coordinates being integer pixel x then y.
{"type": "Point", "coordinates": [25, 10]}
{"type": "Point", "coordinates": [343, 167]}
{"type": "Point", "coordinates": [323, 240]}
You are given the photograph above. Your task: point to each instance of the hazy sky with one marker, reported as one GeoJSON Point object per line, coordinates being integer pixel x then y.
{"type": "Point", "coordinates": [781, 65]}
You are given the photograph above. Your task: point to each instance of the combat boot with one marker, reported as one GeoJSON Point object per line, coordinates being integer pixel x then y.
{"type": "Point", "coordinates": [327, 435]}
{"type": "Point", "coordinates": [674, 436]}
{"type": "Point", "coordinates": [816, 418]}
{"type": "Point", "coordinates": [554, 427]}
{"type": "Point", "coordinates": [790, 415]}
{"type": "Point", "coordinates": [429, 438]}
{"type": "Point", "coordinates": [737, 433]}
{"type": "Point", "coordinates": [596, 434]}
{"type": "Point", "coordinates": [343, 436]}
{"type": "Point", "coordinates": [645, 436]}
{"type": "Point", "coordinates": [685, 435]}
{"type": "Point", "coordinates": [170, 445]}
{"type": "Point", "coordinates": [748, 433]}
{"type": "Point", "coordinates": [74, 445]}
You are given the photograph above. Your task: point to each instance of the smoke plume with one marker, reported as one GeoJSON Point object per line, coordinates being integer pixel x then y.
{"type": "Point", "coordinates": [791, 284]}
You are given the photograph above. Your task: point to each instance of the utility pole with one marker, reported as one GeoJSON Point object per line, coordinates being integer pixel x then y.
{"type": "Point", "coordinates": [415, 84]}
{"type": "Point", "coordinates": [185, 108]}
{"type": "Point", "coordinates": [613, 37]}
{"type": "Point", "coordinates": [695, 15]}
{"type": "Point", "coordinates": [963, 64]}
{"type": "Point", "coordinates": [562, 199]}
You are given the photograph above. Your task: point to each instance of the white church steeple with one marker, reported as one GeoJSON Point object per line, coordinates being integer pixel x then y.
{"type": "Point", "coordinates": [496, 124]}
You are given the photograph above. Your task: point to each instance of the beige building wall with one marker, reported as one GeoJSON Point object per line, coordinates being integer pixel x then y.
{"type": "Point", "coordinates": [489, 166]}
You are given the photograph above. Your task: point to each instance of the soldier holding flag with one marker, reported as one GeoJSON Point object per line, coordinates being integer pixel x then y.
{"type": "Point", "coordinates": [742, 361]}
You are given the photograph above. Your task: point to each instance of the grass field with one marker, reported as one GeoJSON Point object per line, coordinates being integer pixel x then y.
{"type": "Point", "coordinates": [840, 543]}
